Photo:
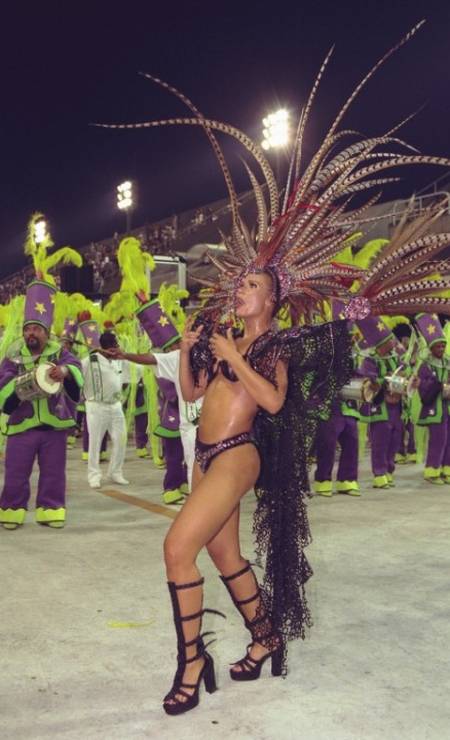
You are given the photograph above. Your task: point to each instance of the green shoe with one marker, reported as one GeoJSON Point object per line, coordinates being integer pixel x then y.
{"type": "Point", "coordinates": [172, 497]}
{"type": "Point", "coordinates": [433, 475]}
{"type": "Point", "coordinates": [85, 456]}
{"type": "Point", "coordinates": [400, 459]}
{"type": "Point", "coordinates": [104, 457]}
{"type": "Point", "coordinates": [380, 481]}
{"type": "Point", "coordinates": [446, 479]}
{"type": "Point", "coordinates": [350, 487]}
{"type": "Point", "coordinates": [391, 480]}
{"type": "Point", "coordinates": [142, 452]}
{"type": "Point", "coordinates": [411, 458]}
{"type": "Point", "coordinates": [323, 487]}
{"type": "Point", "coordinates": [184, 489]}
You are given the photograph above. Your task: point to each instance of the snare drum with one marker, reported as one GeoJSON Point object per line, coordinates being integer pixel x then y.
{"type": "Point", "coordinates": [36, 383]}
{"type": "Point", "coordinates": [359, 389]}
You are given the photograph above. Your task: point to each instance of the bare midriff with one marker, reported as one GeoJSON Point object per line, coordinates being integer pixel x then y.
{"type": "Point", "coordinates": [228, 409]}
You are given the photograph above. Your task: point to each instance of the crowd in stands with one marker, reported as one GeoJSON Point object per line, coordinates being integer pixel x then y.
{"type": "Point", "coordinates": [159, 238]}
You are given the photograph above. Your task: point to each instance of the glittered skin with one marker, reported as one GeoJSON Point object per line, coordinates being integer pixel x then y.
{"type": "Point", "coordinates": [319, 364]}
{"type": "Point", "coordinates": [205, 453]}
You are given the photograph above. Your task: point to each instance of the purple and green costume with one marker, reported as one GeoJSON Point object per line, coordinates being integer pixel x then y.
{"type": "Point", "coordinates": [434, 414]}
{"type": "Point", "coordinates": [37, 428]}
{"type": "Point", "coordinates": [163, 334]}
{"type": "Point", "coordinates": [383, 416]}
{"type": "Point", "coordinates": [342, 427]}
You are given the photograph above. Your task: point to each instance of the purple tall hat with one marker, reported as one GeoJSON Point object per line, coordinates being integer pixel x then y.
{"type": "Point", "coordinates": [90, 331]}
{"type": "Point", "coordinates": [157, 325]}
{"type": "Point", "coordinates": [70, 329]}
{"type": "Point", "coordinates": [39, 304]}
{"type": "Point", "coordinates": [430, 327]}
{"type": "Point", "coordinates": [337, 309]}
{"type": "Point", "coordinates": [374, 331]}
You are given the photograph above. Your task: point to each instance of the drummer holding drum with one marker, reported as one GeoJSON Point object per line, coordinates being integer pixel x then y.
{"type": "Point", "coordinates": [40, 386]}
{"type": "Point", "coordinates": [383, 414]}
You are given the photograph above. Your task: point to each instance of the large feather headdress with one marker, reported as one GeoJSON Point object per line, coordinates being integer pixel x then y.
{"type": "Point", "coordinates": [298, 234]}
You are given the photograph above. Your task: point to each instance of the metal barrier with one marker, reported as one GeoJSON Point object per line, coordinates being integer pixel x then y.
{"type": "Point", "coordinates": [420, 204]}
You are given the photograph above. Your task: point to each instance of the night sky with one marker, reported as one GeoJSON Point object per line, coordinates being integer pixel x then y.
{"type": "Point", "coordinates": [65, 66]}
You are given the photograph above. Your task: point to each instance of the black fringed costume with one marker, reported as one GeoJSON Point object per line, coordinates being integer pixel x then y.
{"type": "Point", "coordinates": [319, 364]}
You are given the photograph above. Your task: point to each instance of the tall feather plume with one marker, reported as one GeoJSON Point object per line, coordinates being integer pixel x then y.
{"type": "Point", "coordinates": [239, 235]}
{"type": "Point", "coordinates": [225, 128]}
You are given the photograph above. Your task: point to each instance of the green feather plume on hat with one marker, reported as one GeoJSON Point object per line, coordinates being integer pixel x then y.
{"type": "Point", "coordinates": [133, 263]}
{"type": "Point", "coordinates": [170, 297]}
{"type": "Point", "coordinates": [38, 252]}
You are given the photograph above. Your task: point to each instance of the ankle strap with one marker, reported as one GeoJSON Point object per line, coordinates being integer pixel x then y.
{"type": "Point", "coordinates": [193, 584]}
{"type": "Point", "coordinates": [241, 572]}
{"type": "Point", "coordinates": [242, 602]}
{"type": "Point", "coordinates": [201, 613]}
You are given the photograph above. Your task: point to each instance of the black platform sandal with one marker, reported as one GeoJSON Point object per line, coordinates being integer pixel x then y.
{"type": "Point", "coordinates": [262, 633]}
{"type": "Point", "coordinates": [173, 703]}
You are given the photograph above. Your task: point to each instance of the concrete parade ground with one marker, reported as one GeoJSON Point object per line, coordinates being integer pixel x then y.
{"type": "Point", "coordinates": [88, 645]}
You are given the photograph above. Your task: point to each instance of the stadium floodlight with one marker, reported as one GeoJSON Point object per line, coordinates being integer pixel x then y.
{"type": "Point", "coordinates": [125, 196]}
{"type": "Point", "coordinates": [276, 129]}
{"type": "Point", "coordinates": [40, 231]}
{"type": "Point", "coordinates": [126, 200]}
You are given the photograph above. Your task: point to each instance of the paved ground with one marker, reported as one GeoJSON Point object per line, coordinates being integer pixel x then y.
{"type": "Point", "coordinates": [87, 645]}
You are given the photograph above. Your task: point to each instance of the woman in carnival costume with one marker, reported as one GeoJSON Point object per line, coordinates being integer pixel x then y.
{"type": "Point", "coordinates": [265, 391]}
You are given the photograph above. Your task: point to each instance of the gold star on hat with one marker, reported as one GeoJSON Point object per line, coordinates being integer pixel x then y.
{"type": "Point", "coordinates": [163, 320]}
{"type": "Point", "coordinates": [431, 329]}
{"type": "Point", "coordinates": [92, 327]}
{"type": "Point", "coordinates": [40, 308]}
{"type": "Point", "coordinates": [380, 326]}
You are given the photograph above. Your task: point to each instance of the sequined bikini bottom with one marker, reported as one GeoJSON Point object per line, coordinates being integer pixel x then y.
{"type": "Point", "coordinates": [205, 453]}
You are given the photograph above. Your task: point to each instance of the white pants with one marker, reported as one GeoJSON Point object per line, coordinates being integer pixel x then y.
{"type": "Point", "coordinates": [101, 418]}
{"type": "Point", "coordinates": [188, 435]}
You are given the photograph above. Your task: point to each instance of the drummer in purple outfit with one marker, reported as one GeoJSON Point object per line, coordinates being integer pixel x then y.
{"type": "Point", "coordinates": [383, 414]}
{"type": "Point", "coordinates": [37, 428]}
{"type": "Point", "coordinates": [434, 394]}
{"type": "Point", "coordinates": [342, 427]}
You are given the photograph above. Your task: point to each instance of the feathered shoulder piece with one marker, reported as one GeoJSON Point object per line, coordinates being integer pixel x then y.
{"type": "Point", "coordinates": [299, 234]}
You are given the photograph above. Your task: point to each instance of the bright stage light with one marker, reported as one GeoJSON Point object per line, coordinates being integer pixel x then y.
{"type": "Point", "coordinates": [40, 231]}
{"type": "Point", "coordinates": [125, 199]}
{"type": "Point", "coordinates": [276, 129]}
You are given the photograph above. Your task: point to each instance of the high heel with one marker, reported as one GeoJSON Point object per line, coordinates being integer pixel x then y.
{"type": "Point", "coordinates": [250, 668]}
{"type": "Point", "coordinates": [262, 632]}
{"type": "Point", "coordinates": [172, 705]}
{"type": "Point", "coordinates": [183, 696]}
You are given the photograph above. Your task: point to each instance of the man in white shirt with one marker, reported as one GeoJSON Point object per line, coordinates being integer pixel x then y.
{"type": "Point", "coordinates": [167, 367]}
{"type": "Point", "coordinates": [103, 382]}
